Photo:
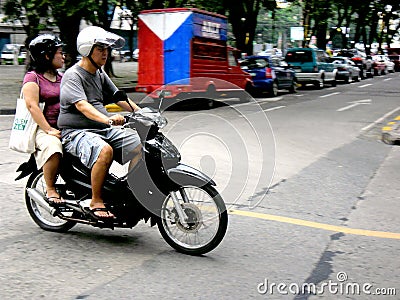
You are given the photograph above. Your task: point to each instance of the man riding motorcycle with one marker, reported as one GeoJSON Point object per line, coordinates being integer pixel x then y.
{"type": "Point", "coordinates": [84, 121]}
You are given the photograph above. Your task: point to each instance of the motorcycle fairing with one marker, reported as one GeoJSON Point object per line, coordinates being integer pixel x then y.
{"type": "Point", "coordinates": [183, 174]}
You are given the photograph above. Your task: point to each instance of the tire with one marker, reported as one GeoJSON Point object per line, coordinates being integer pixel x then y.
{"type": "Point", "coordinates": [320, 84]}
{"type": "Point", "coordinates": [249, 89]}
{"type": "Point", "coordinates": [387, 139]}
{"type": "Point", "coordinates": [293, 87]}
{"type": "Point", "coordinates": [363, 73]}
{"type": "Point", "coordinates": [41, 217]}
{"type": "Point", "coordinates": [211, 92]}
{"type": "Point", "coordinates": [208, 220]}
{"type": "Point", "coordinates": [274, 90]}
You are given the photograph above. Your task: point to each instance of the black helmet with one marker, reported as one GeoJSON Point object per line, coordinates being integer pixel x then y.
{"type": "Point", "coordinates": [45, 44]}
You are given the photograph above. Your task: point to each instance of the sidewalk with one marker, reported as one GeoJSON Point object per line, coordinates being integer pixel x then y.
{"type": "Point", "coordinates": [11, 80]}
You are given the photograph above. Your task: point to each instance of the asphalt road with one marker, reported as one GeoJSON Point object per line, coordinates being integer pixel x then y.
{"type": "Point", "coordinates": [313, 198]}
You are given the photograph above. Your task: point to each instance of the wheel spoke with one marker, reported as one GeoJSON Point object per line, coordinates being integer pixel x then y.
{"type": "Point", "coordinates": [203, 218]}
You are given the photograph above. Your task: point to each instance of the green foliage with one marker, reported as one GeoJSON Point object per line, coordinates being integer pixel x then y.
{"type": "Point", "coordinates": [33, 15]}
{"type": "Point", "coordinates": [367, 19]}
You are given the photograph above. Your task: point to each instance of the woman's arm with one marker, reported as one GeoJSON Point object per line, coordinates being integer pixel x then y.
{"type": "Point", "coordinates": [31, 96]}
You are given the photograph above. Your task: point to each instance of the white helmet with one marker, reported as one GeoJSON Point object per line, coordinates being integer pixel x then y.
{"type": "Point", "coordinates": [94, 35]}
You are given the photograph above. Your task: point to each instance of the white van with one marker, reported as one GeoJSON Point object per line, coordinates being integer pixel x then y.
{"type": "Point", "coordinates": [8, 52]}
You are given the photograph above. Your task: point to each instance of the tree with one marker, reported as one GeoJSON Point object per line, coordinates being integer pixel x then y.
{"type": "Point", "coordinates": [132, 8]}
{"type": "Point", "coordinates": [42, 15]}
{"type": "Point", "coordinates": [68, 15]}
{"type": "Point", "coordinates": [243, 18]}
{"type": "Point", "coordinates": [33, 15]}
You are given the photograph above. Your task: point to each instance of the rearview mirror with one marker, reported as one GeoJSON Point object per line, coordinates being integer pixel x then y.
{"type": "Point", "coordinates": [119, 95]}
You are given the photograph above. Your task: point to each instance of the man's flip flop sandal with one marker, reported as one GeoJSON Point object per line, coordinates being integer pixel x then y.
{"type": "Point", "coordinates": [53, 203]}
{"type": "Point", "coordinates": [92, 211]}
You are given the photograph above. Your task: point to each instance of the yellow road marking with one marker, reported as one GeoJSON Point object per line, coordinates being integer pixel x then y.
{"type": "Point", "coordinates": [388, 126]}
{"type": "Point", "coordinates": [372, 233]}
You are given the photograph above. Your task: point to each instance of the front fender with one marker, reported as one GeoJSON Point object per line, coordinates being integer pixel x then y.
{"type": "Point", "coordinates": [185, 175]}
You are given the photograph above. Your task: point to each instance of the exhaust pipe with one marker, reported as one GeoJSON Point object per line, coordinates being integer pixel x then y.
{"type": "Point", "coordinates": [38, 198]}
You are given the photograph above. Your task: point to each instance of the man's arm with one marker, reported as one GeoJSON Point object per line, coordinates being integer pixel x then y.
{"type": "Point", "coordinates": [93, 114]}
{"type": "Point", "coordinates": [125, 106]}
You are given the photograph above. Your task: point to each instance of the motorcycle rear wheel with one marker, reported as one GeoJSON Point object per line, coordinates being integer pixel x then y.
{"type": "Point", "coordinates": [42, 217]}
{"type": "Point", "coordinates": [207, 220]}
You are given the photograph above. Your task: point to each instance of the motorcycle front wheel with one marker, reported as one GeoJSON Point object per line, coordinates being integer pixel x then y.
{"type": "Point", "coordinates": [206, 224]}
{"type": "Point", "coordinates": [40, 215]}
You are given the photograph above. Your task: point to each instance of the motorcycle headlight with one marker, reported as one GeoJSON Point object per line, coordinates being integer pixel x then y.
{"type": "Point", "coordinates": [161, 122]}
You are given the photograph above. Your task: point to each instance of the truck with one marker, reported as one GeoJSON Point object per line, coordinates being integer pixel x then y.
{"type": "Point", "coordinates": [185, 50]}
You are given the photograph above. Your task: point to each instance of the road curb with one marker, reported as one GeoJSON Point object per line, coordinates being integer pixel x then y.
{"type": "Point", "coordinates": [7, 111]}
{"type": "Point", "coordinates": [11, 111]}
{"type": "Point", "coordinates": [391, 132]}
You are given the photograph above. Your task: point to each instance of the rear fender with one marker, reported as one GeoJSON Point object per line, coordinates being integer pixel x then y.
{"type": "Point", "coordinates": [27, 168]}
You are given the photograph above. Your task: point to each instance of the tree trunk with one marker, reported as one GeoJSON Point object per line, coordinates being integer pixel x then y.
{"type": "Point", "coordinates": [243, 18]}
{"type": "Point", "coordinates": [306, 23]}
{"type": "Point", "coordinates": [69, 30]}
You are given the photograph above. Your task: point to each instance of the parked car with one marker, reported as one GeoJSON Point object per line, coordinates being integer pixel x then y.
{"type": "Point", "coordinates": [389, 64]}
{"type": "Point", "coordinates": [135, 55]}
{"type": "Point", "coordinates": [311, 66]}
{"type": "Point", "coordinates": [269, 74]}
{"type": "Point", "coordinates": [116, 55]}
{"type": "Point", "coordinates": [8, 53]}
{"type": "Point", "coordinates": [395, 58]}
{"type": "Point", "coordinates": [378, 65]}
{"type": "Point", "coordinates": [362, 60]}
{"type": "Point", "coordinates": [271, 52]}
{"type": "Point", "coordinates": [347, 69]}
{"type": "Point", "coordinates": [125, 55]}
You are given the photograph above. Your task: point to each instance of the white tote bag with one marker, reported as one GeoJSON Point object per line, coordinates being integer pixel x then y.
{"type": "Point", "coordinates": [23, 131]}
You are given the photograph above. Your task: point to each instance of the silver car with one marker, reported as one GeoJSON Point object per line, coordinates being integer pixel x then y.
{"type": "Point", "coordinates": [348, 71]}
{"type": "Point", "coordinates": [389, 64]}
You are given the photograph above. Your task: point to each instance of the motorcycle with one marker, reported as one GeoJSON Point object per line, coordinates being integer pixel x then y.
{"type": "Point", "coordinates": [182, 201]}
